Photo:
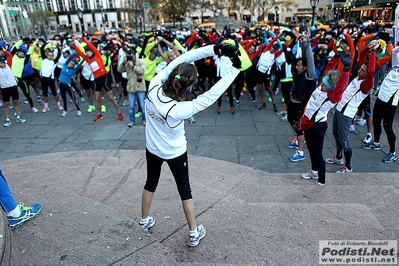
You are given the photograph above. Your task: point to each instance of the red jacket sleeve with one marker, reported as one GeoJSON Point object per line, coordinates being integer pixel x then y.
{"type": "Point", "coordinates": [335, 95]}
{"type": "Point", "coordinates": [331, 65]}
{"type": "Point", "coordinates": [351, 50]}
{"type": "Point", "coordinates": [368, 83]}
{"type": "Point", "coordinates": [253, 56]}
{"type": "Point", "coordinates": [267, 48]}
{"type": "Point", "coordinates": [79, 52]}
{"type": "Point", "coordinates": [316, 40]}
{"type": "Point", "coordinates": [193, 36]}
{"type": "Point", "coordinates": [248, 44]}
{"type": "Point", "coordinates": [9, 58]}
{"type": "Point", "coordinates": [92, 47]}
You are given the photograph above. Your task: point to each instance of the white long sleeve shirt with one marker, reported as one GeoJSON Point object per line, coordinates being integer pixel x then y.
{"type": "Point", "coordinates": [165, 134]}
{"type": "Point", "coordinates": [47, 68]}
{"type": "Point", "coordinates": [390, 86]}
{"type": "Point", "coordinates": [319, 103]}
{"type": "Point", "coordinates": [87, 73]}
{"type": "Point", "coordinates": [351, 98]}
{"type": "Point", "coordinates": [7, 79]}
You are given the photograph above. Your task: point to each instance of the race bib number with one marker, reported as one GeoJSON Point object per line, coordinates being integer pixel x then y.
{"type": "Point", "coordinates": [94, 66]}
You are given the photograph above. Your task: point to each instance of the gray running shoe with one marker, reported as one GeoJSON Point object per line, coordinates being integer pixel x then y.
{"type": "Point", "coordinates": [147, 224]}
{"type": "Point", "coordinates": [194, 240]}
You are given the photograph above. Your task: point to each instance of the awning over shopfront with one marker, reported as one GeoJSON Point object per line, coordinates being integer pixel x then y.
{"type": "Point", "coordinates": [366, 7]}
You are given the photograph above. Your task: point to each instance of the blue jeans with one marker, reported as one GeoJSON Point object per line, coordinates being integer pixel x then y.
{"type": "Point", "coordinates": [6, 199]}
{"type": "Point", "coordinates": [140, 95]}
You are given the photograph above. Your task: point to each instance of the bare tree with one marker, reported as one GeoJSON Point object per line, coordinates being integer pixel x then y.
{"type": "Point", "coordinates": [41, 19]}
{"type": "Point", "coordinates": [240, 6]}
{"type": "Point", "coordinates": [202, 6]}
{"type": "Point", "coordinates": [41, 16]}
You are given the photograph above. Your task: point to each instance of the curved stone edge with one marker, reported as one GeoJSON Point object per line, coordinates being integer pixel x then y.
{"type": "Point", "coordinates": [7, 247]}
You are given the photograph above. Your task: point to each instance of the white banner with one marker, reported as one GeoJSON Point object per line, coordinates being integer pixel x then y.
{"type": "Point", "coordinates": [377, 252]}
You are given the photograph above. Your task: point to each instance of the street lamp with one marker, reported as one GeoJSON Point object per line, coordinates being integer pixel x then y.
{"type": "Point", "coordinates": [277, 15]}
{"type": "Point", "coordinates": [80, 16]}
{"type": "Point", "coordinates": [313, 4]}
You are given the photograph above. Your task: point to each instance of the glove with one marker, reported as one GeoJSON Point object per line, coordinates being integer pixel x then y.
{"type": "Point", "coordinates": [346, 60]}
{"type": "Point", "coordinates": [226, 50]}
{"type": "Point", "coordinates": [236, 62]}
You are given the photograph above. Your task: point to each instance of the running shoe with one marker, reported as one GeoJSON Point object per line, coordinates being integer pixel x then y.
{"type": "Point", "coordinates": [195, 237]}
{"type": "Point", "coordinates": [297, 157]}
{"type": "Point", "coordinates": [344, 170]}
{"type": "Point", "coordinates": [91, 108]}
{"type": "Point", "coordinates": [390, 158]}
{"type": "Point", "coordinates": [334, 160]}
{"type": "Point", "coordinates": [147, 223]}
{"type": "Point", "coordinates": [98, 117]}
{"type": "Point", "coordinates": [310, 175]}
{"type": "Point", "coordinates": [27, 213]}
{"type": "Point", "coordinates": [120, 116]}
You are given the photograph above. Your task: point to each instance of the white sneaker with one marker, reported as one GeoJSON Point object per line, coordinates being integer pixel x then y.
{"type": "Point", "coordinates": [79, 113]}
{"type": "Point", "coordinates": [15, 113]}
{"type": "Point", "coordinates": [147, 223]}
{"type": "Point", "coordinates": [344, 170]}
{"type": "Point", "coordinates": [20, 119]}
{"type": "Point", "coordinates": [368, 139]}
{"type": "Point", "coordinates": [352, 129]}
{"type": "Point", "coordinates": [358, 118]}
{"type": "Point", "coordinates": [26, 102]}
{"type": "Point", "coordinates": [282, 113]}
{"type": "Point", "coordinates": [334, 160]}
{"type": "Point", "coordinates": [11, 107]}
{"type": "Point", "coordinates": [64, 113]}
{"type": "Point", "coordinates": [82, 100]}
{"type": "Point", "coordinates": [361, 122]}
{"type": "Point", "coordinates": [34, 109]}
{"type": "Point", "coordinates": [310, 175]}
{"type": "Point", "coordinates": [7, 123]}
{"type": "Point", "coordinates": [194, 240]}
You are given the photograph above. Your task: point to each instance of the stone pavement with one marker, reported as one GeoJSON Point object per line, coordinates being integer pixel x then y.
{"type": "Point", "coordinates": [89, 177]}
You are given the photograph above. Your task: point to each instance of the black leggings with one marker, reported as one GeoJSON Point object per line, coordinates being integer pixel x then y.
{"type": "Point", "coordinates": [314, 137]}
{"type": "Point", "coordinates": [384, 112]}
{"type": "Point", "coordinates": [248, 77]}
{"type": "Point", "coordinates": [48, 83]}
{"type": "Point", "coordinates": [25, 90]}
{"type": "Point", "coordinates": [286, 91]}
{"type": "Point", "coordinates": [75, 87]}
{"type": "Point", "coordinates": [64, 89]}
{"type": "Point", "coordinates": [295, 111]}
{"type": "Point", "coordinates": [179, 168]}
{"type": "Point", "coordinates": [229, 91]}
